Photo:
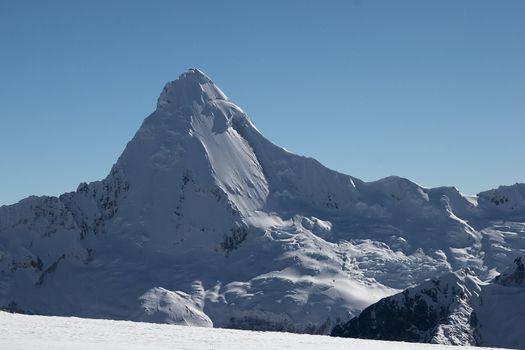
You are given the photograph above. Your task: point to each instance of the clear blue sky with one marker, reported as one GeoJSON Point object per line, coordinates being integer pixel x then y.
{"type": "Point", "coordinates": [429, 90]}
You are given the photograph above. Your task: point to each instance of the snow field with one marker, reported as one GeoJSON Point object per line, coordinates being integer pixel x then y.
{"type": "Point", "coordinates": [57, 333]}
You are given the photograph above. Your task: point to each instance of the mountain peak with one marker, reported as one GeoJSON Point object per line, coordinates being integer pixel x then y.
{"type": "Point", "coordinates": [194, 74]}
{"type": "Point", "coordinates": [192, 86]}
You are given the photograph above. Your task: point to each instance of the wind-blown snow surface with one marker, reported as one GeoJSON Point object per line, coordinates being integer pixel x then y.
{"type": "Point", "coordinates": [57, 333]}
{"type": "Point", "coordinates": [203, 220]}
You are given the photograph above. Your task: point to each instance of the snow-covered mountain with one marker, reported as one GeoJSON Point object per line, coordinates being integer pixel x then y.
{"type": "Point", "coordinates": [455, 309]}
{"type": "Point", "coordinates": [204, 221]}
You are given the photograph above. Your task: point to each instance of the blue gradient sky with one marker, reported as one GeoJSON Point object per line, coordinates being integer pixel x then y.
{"type": "Point", "coordinates": [429, 90]}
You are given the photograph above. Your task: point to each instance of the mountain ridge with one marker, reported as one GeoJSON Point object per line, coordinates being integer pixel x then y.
{"type": "Point", "coordinates": [455, 309]}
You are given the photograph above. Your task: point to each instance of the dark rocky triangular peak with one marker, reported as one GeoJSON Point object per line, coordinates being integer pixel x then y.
{"type": "Point", "coordinates": [455, 309]}
{"type": "Point", "coordinates": [513, 276]}
{"type": "Point", "coordinates": [437, 311]}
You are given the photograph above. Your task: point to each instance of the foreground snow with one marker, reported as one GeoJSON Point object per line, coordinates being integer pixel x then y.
{"type": "Point", "coordinates": [44, 332]}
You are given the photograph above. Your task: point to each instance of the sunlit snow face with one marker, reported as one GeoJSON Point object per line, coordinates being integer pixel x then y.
{"type": "Point", "coordinates": [191, 87]}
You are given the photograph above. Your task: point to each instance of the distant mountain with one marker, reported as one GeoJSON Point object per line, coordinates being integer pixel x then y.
{"type": "Point", "coordinates": [456, 309]}
{"type": "Point", "coordinates": [204, 221]}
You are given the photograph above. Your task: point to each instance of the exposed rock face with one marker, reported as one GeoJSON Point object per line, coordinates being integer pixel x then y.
{"type": "Point", "coordinates": [513, 276]}
{"type": "Point", "coordinates": [437, 311]}
{"type": "Point", "coordinates": [456, 309]}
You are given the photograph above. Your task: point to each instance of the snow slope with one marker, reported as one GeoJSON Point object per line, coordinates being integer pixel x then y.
{"type": "Point", "coordinates": [56, 333]}
{"type": "Point", "coordinates": [204, 221]}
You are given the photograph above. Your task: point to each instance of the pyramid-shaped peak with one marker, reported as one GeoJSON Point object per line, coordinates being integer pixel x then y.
{"type": "Point", "coordinates": [195, 74]}
{"type": "Point", "coordinates": [192, 86]}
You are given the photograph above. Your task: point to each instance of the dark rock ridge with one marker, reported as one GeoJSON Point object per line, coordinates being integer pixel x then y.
{"type": "Point", "coordinates": [445, 310]}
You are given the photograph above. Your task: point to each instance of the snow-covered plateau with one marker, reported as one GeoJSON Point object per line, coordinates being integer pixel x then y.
{"type": "Point", "coordinates": [204, 222]}
{"type": "Point", "coordinates": [21, 332]}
